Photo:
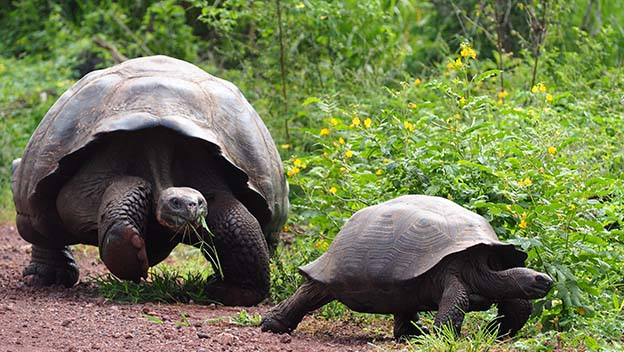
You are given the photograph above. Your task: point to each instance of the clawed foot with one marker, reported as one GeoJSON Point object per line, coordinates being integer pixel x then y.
{"type": "Point", "coordinates": [51, 267]}
{"type": "Point", "coordinates": [123, 251]}
{"type": "Point", "coordinates": [270, 323]}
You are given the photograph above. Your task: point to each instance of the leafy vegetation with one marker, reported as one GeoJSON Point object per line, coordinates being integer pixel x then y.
{"type": "Point", "coordinates": [513, 109]}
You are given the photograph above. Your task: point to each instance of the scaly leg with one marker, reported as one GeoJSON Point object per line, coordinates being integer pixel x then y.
{"type": "Point", "coordinates": [286, 316]}
{"type": "Point", "coordinates": [453, 305]}
{"type": "Point", "coordinates": [512, 315]}
{"type": "Point", "coordinates": [241, 253]}
{"type": "Point", "coordinates": [122, 220]}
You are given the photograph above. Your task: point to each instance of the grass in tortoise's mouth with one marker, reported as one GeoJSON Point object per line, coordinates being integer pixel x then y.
{"type": "Point", "coordinates": [191, 234]}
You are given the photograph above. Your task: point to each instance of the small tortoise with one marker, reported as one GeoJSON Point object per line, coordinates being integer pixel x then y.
{"type": "Point", "coordinates": [411, 254]}
{"type": "Point", "coordinates": [132, 157]}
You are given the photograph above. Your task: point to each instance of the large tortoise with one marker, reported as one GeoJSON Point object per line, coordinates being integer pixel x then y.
{"type": "Point", "coordinates": [411, 254]}
{"type": "Point", "coordinates": [132, 157]}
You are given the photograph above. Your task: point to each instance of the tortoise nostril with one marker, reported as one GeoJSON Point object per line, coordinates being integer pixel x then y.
{"type": "Point", "coordinates": [544, 280]}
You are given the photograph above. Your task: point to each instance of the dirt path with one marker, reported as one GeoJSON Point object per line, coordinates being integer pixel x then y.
{"type": "Point", "coordinates": [76, 319]}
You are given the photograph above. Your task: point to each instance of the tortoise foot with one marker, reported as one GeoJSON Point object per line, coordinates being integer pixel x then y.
{"type": "Point", "coordinates": [50, 267]}
{"type": "Point", "coordinates": [230, 294]}
{"type": "Point", "coordinates": [408, 326]}
{"type": "Point", "coordinates": [272, 324]}
{"type": "Point", "coordinates": [123, 251]}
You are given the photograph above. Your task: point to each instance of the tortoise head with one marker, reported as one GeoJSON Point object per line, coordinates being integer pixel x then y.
{"type": "Point", "coordinates": [179, 207]}
{"type": "Point", "coordinates": [528, 283]}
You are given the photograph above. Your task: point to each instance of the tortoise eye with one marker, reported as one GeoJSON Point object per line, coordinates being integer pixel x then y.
{"type": "Point", "coordinates": [175, 203]}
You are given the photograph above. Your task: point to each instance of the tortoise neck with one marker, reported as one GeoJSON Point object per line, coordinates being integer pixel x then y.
{"type": "Point", "coordinates": [499, 284]}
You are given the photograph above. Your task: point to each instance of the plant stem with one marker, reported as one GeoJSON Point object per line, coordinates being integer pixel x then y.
{"type": "Point", "coordinates": [541, 34]}
{"type": "Point", "coordinates": [283, 67]}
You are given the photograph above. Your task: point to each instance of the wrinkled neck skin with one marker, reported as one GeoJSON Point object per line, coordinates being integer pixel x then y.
{"type": "Point", "coordinates": [482, 279]}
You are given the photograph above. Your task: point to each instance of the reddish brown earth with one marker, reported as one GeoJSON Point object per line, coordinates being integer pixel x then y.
{"type": "Point", "coordinates": [77, 319]}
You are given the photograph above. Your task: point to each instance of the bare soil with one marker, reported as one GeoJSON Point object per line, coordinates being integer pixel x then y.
{"type": "Point", "coordinates": [77, 319]}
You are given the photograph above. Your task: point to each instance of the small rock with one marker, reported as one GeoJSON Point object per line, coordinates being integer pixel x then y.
{"type": "Point", "coordinates": [128, 336]}
{"type": "Point", "coordinates": [66, 322]}
{"type": "Point", "coordinates": [225, 338]}
{"type": "Point", "coordinates": [202, 335]}
{"type": "Point", "coordinates": [285, 339]}
{"type": "Point", "coordinates": [197, 324]}
{"type": "Point", "coordinates": [146, 310]}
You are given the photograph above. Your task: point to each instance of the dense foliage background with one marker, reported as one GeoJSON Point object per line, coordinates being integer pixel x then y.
{"type": "Point", "coordinates": [512, 108]}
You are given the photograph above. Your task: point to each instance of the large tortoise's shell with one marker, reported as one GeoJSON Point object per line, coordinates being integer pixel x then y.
{"type": "Point", "coordinates": [149, 92]}
{"type": "Point", "coordinates": [401, 239]}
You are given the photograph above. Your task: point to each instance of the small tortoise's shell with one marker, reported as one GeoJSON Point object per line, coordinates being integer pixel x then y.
{"type": "Point", "coordinates": [401, 239]}
{"type": "Point", "coordinates": [149, 92]}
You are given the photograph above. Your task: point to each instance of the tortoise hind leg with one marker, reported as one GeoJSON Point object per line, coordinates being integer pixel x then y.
{"type": "Point", "coordinates": [48, 266]}
{"type": "Point", "coordinates": [408, 325]}
{"type": "Point", "coordinates": [286, 316]}
{"type": "Point", "coordinates": [242, 255]}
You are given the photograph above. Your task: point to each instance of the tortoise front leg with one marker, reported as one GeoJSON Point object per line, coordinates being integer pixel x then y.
{"type": "Point", "coordinates": [512, 315]}
{"type": "Point", "coordinates": [241, 253]}
{"type": "Point", "coordinates": [122, 220]}
{"type": "Point", "coordinates": [408, 325]}
{"type": "Point", "coordinates": [453, 305]}
{"type": "Point", "coordinates": [286, 316]}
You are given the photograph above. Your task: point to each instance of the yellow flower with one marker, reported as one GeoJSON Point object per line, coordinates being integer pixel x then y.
{"type": "Point", "coordinates": [508, 207]}
{"type": "Point", "coordinates": [333, 121]}
{"type": "Point", "coordinates": [502, 94]}
{"type": "Point", "coordinates": [549, 97]}
{"type": "Point", "coordinates": [367, 123]}
{"type": "Point", "coordinates": [450, 66]}
{"type": "Point", "coordinates": [458, 62]}
{"type": "Point", "coordinates": [286, 228]}
{"type": "Point", "coordinates": [412, 106]}
{"type": "Point", "coordinates": [348, 154]}
{"type": "Point", "coordinates": [292, 172]}
{"type": "Point", "coordinates": [457, 116]}
{"type": "Point", "coordinates": [379, 172]}
{"type": "Point", "coordinates": [355, 122]}
{"type": "Point", "coordinates": [540, 86]}
{"type": "Point", "coordinates": [343, 169]}
{"type": "Point", "coordinates": [526, 182]}
{"type": "Point", "coordinates": [464, 52]}
{"type": "Point", "coordinates": [572, 206]}
{"type": "Point", "coordinates": [386, 160]}
{"type": "Point", "coordinates": [324, 132]}
{"type": "Point", "coordinates": [325, 154]}
{"type": "Point", "coordinates": [408, 125]}
{"type": "Point", "coordinates": [285, 146]}
{"type": "Point", "coordinates": [523, 224]}
{"type": "Point", "coordinates": [417, 81]}
{"type": "Point", "coordinates": [341, 140]}
{"type": "Point", "coordinates": [322, 245]}
{"type": "Point", "coordinates": [462, 100]}
{"type": "Point", "coordinates": [452, 128]}
{"type": "Point", "coordinates": [500, 102]}
{"type": "Point", "coordinates": [552, 150]}
{"type": "Point", "coordinates": [333, 190]}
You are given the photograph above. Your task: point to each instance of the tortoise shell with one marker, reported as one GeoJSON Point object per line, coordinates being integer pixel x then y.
{"type": "Point", "coordinates": [401, 239]}
{"type": "Point", "coordinates": [150, 92]}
